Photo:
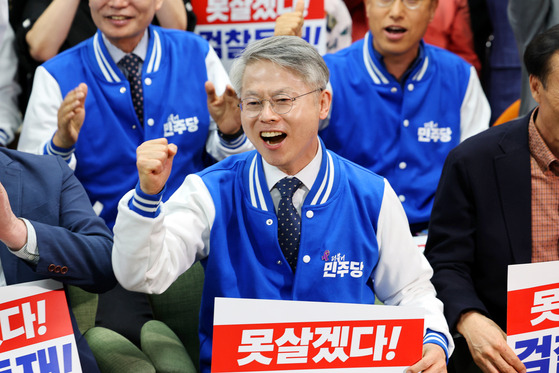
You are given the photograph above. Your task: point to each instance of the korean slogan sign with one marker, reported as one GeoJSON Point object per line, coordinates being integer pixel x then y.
{"type": "Point", "coordinates": [229, 25]}
{"type": "Point", "coordinates": [35, 329]}
{"type": "Point", "coordinates": [280, 336]}
{"type": "Point", "coordinates": [533, 314]}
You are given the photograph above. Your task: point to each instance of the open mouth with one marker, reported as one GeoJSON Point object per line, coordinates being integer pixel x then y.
{"type": "Point", "coordinates": [395, 29]}
{"type": "Point", "coordinates": [273, 137]}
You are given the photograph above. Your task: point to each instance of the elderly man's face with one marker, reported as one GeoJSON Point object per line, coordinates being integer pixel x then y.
{"type": "Point", "coordinates": [288, 141]}
{"type": "Point", "coordinates": [123, 21]}
{"type": "Point", "coordinates": [398, 30]}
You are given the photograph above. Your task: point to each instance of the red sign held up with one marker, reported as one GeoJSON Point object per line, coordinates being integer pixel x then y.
{"type": "Point", "coordinates": [366, 337]}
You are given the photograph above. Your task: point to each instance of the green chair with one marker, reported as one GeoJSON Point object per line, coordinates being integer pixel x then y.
{"type": "Point", "coordinates": [113, 352]}
{"type": "Point", "coordinates": [171, 340]}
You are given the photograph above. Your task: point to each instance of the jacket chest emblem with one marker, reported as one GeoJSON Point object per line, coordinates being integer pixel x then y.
{"type": "Point", "coordinates": [337, 266]}
{"type": "Point", "coordinates": [177, 126]}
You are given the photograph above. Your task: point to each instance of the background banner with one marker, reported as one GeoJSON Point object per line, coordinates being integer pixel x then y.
{"type": "Point", "coordinates": [229, 25]}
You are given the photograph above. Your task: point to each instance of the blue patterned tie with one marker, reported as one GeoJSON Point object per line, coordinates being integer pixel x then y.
{"type": "Point", "coordinates": [131, 63]}
{"type": "Point", "coordinates": [289, 221]}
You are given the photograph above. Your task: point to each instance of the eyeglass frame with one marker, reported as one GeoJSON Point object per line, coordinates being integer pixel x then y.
{"type": "Point", "coordinates": [405, 2]}
{"type": "Point", "coordinates": [261, 102]}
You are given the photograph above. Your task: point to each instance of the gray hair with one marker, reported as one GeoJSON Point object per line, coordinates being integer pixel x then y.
{"type": "Point", "coordinates": [290, 52]}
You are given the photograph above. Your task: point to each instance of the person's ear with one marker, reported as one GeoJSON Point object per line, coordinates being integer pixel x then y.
{"type": "Point", "coordinates": [535, 87]}
{"type": "Point", "coordinates": [325, 102]}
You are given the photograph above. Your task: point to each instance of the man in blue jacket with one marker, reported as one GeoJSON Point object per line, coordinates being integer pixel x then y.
{"type": "Point", "coordinates": [400, 105]}
{"type": "Point", "coordinates": [49, 230]}
{"type": "Point", "coordinates": [95, 103]}
{"type": "Point", "coordinates": [350, 239]}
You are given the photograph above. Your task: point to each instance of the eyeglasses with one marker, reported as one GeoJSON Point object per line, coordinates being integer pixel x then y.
{"type": "Point", "coordinates": [410, 4]}
{"type": "Point", "coordinates": [281, 104]}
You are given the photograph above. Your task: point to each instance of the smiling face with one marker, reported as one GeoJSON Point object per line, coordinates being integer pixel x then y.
{"type": "Point", "coordinates": [288, 141]}
{"type": "Point", "coordinates": [123, 22]}
{"type": "Point", "coordinates": [397, 30]}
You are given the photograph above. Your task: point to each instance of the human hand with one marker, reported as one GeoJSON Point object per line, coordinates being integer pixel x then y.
{"type": "Point", "coordinates": [224, 109]}
{"type": "Point", "coordinates": [488, 344]}
{"type": "Point", "coordinates": [13, 231]}
{"type": "Point", "coordinates": [291, 23]}
{"type": "Point", "coordinates": [433, 360]}
{"type": "Point", "coordinates": [154, 159]}
{"type": "Point", "coordinates": [71, 115]}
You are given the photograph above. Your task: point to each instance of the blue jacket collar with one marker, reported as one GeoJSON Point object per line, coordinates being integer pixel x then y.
{"type": "Point", "coordinates": [377, 70]}
{"type": "Point", "coordinates": [108, 69]}
{"type": "Point", "coordinates": [323, 189]}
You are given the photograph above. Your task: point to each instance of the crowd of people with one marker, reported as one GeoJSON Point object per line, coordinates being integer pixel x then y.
{"type": "Point", "coordinates": [150, 157]}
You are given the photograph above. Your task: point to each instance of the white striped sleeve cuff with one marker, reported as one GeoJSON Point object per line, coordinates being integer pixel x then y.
{"type": "Point", "coordinates": [65, 153]}
{"type": "Point", "coordinates": [438, 339]}
{"type": "Point", "coordinates": [234, 143]}
{"type": "Point", "coordinates": [144, 204]}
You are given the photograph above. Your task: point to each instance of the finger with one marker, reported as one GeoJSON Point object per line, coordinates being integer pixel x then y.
{"type": "Point", "coordinates": [210, 91]}
{"type": "Point", "coordinates": [82, 90]}
{"type": "Point", "coordinates": [172, 150]}
{"type": "Point", "coordinates": [78, 93]}
{"type": "Point", "coordinates": [67, 107]}
{"type": "Point", "coordinates": [149, 143]}
{"type": "Point", "coordinates": [512, 359]}
{"type": "Point", "coordinates": [159, 152]}
{"type": "Point", "coordinates": [300, 6]}
{"type": "Point", "coordinates": [230, 91]}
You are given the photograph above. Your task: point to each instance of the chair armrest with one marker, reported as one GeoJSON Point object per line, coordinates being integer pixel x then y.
{"type": "Point", "coordinates": [165, 349]}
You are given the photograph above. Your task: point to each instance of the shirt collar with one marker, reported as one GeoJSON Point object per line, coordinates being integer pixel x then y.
{"type": "Point", "coordinates": [307, 175]}
{"type": "Point", "coordinates": [117, 54]}
{"type": "Point", "coordinates": [538, 148]}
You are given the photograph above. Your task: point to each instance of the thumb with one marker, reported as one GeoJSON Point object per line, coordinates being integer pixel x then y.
{"type": "Point", "coordinates": [300, 6]}
{"type": "Point", "coordinates": [172, 151]}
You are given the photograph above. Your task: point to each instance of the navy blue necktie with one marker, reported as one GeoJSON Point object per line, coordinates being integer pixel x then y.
{"type": "Point", "coordinates": [289, 221]}
{"type": "Point", "coordinates": [131, 63]}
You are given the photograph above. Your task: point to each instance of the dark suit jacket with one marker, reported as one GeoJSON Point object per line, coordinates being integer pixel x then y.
{"type": "Point", "coordinates": [481, 221]}
{"type": "Point", "coordinates": [74, 244]}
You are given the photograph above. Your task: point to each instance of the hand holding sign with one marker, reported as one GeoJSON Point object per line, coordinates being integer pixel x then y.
{"type": "Point", "coordinates": [488, 344]}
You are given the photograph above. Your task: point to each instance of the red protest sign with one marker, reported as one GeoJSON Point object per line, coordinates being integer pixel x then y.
{"type": "Point", "coordinates": [319, 345]}
{"type": "Point", "coordinates": [263, 335]}
{"type": "Point", "coordinates": [230, 25]}
{"type": "Point", "coordinates": [36, 332]}
{"type": "Point", "coordinates": [222, 12]}
{"type": "Point", "coordinates": [533, 309]}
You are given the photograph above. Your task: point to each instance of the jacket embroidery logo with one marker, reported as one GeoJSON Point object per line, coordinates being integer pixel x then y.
{"type": "Point", "coordinates": [432, 132]}
{"type": "Point", "coordinates": [175, 125]}
{"type": "Point", "coordinates": [337, 266]}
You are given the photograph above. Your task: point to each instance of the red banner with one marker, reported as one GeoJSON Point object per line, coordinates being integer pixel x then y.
{"type": "Point", "coordinates": [316, 345]}
{"type": "Point", "coordinates": [533, 309]}
{"type": "Point", "coordinates": [34, 319]}
{"type": "Point", "coordinates": [221, 12]}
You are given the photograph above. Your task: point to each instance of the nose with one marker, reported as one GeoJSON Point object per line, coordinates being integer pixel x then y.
{"type": "Point", "coordinates": [396, 8]}
{"type": "Point", "coordinates": [118, 3]}
{"type": "Point", "coordinates": [267, 113]}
